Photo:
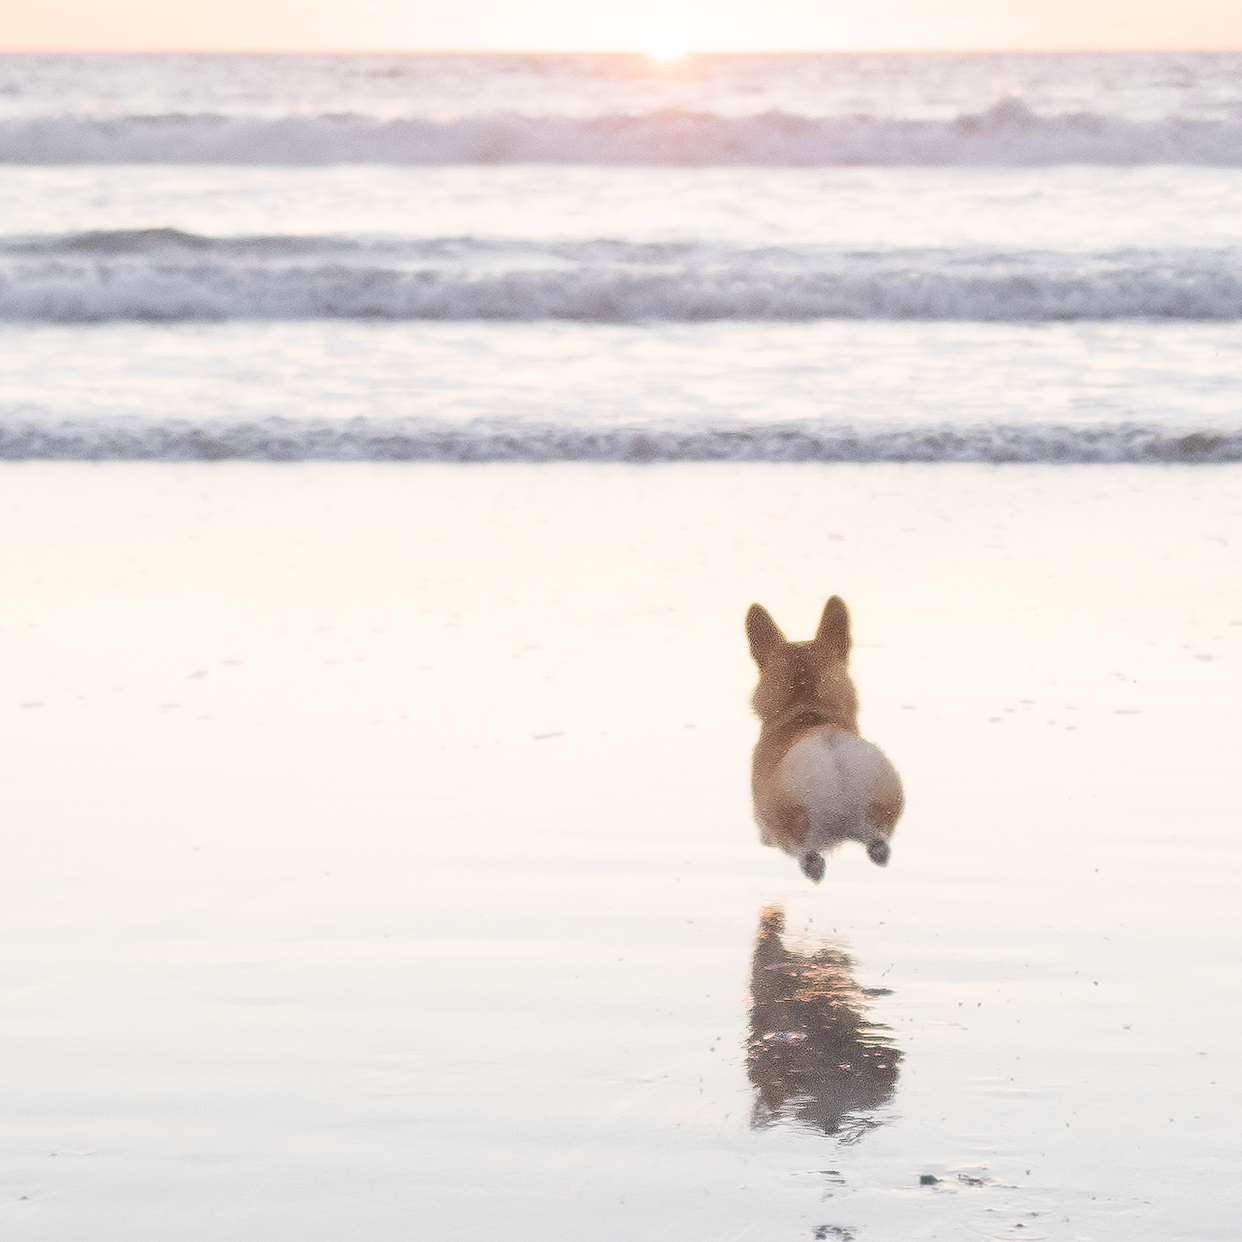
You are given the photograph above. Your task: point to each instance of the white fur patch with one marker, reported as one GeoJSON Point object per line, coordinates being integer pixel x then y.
{"type": "Point", "coordinates": [836, 776]}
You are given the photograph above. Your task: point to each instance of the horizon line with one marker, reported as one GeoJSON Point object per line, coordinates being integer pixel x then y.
{"type": "Point", "coordinates": [641, 53]}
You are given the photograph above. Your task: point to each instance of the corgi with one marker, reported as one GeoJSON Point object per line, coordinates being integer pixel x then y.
{"type": "Point", "coordinates": [816, 783]}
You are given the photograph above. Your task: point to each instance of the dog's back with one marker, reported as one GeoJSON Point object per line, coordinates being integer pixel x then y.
{"type": "Point", "coordinates": [815, 781]}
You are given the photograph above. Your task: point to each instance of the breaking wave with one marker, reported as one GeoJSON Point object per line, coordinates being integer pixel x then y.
{"type": "Point", "coordinates": [163, 275]}
{"type": "Point", "coordinates": [280, 440]}
{"type": "Point", "coordinates": [1008, 133]}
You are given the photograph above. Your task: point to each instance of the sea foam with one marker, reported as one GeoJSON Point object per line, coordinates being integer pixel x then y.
{"type": "Point", "coordinates": [166, 275]}
{"type": "Point", "coordinates": [1007, 133]}
{"type": "Point", "coordinates": [287, 440]}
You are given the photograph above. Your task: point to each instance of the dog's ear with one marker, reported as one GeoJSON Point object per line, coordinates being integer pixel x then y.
{"type": "Point", "coordinates": [833, 636]}
{"type": "Point", "coordinates": [763, 634]}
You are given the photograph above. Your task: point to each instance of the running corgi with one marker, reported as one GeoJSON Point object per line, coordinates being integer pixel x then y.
{"type": "Point", "coordinates": [815, 782]}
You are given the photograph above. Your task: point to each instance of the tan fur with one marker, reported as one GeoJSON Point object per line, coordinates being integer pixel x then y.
{"type": "Point", "coordinates": [815, 781]}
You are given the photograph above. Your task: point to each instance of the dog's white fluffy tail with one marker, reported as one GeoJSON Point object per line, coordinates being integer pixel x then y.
{"type": "Point", "coordinates": [841, 779]}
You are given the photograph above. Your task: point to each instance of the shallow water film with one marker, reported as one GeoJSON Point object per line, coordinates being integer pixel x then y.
{"type": "Point", "coordinates": [362, 878]}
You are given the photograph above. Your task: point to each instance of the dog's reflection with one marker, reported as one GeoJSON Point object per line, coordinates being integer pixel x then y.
{"type": "Point", "coordinates": [814, 1057]}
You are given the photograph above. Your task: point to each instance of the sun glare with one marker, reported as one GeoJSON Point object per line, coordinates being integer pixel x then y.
{"type": "Point", "coordinates": [666, 45]}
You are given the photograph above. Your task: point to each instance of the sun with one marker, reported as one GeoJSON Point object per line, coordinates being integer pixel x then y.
{"type": "Point", "coordinates": [666, 44]}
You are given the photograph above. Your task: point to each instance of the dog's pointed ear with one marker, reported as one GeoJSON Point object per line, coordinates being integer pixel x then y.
{"type": "Point", "coordinates": [833, 636]}
{"type": "Point", "coordinates": [763, 634]}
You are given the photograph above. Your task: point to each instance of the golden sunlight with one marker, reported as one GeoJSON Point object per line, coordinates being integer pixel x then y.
{"type": "Point", "coordinates": [666, 44]}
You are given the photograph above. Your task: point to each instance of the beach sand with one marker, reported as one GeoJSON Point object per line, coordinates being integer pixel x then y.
{"type": "Point", "coordinates": [379, 861]}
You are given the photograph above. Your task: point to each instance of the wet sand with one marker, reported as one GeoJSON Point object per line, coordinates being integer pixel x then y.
{"type": "Point", "coordinates": [379, 860]}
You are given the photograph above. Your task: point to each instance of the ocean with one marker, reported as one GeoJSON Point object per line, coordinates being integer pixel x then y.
{"type": "Point", "coordinates": [391, 448]}
{"type": "Point", "coordinates": [456, 258]}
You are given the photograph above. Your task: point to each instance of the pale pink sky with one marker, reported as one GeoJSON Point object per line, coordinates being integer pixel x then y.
{"type": "Point", "coordinates": [707, 25]}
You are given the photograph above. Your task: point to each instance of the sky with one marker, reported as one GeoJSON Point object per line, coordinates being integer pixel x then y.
{"type": "Point", "coordinates": [554, 25]}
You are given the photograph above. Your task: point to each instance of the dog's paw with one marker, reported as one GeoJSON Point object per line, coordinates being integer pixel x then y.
{"type": "Point", "coordinates": [813, 867]}
{"type": "Point", "coordinates": [878, 851]}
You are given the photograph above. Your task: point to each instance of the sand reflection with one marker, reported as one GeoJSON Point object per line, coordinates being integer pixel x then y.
{"type": "Point", "coordinates": [814, 1057]}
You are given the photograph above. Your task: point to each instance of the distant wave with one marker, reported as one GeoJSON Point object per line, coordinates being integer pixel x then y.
{"type": "Point", "coordinates": [1008, 133]}
{"type": "Point", "coordinates": [280, 440]}
{"type": "Point", "coordinates": [165, 275]}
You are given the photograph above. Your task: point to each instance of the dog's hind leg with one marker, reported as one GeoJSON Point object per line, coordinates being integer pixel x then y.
{"type": "Point", "coordinates": [812, 865]}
